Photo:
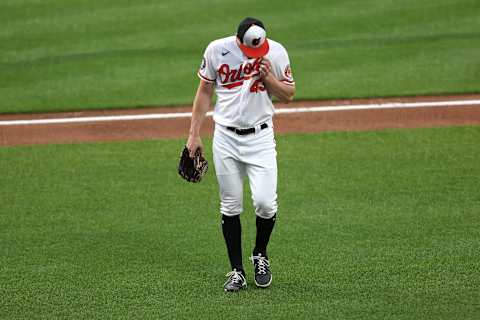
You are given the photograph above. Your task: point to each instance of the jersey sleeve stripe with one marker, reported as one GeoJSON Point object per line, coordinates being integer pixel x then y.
{"type": "Point", "coordinates": [204, 78]}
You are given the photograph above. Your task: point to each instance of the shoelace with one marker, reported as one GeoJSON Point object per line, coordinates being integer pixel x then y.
{"type": "Point", "coordinates": [262, 263]}
{"type": "Point", "coordinates": [234, 276]}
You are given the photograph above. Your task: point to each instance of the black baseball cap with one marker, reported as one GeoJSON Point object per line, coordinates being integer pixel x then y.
{"type": "Point", "coordinates": [253, 37]}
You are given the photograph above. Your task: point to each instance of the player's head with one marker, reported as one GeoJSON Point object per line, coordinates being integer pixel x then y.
{"type": "Point", "coordinates": [252, 38]}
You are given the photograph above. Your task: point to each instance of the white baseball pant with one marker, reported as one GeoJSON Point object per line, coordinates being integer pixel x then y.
{"type": "Point", "coordinates": [253, 155]}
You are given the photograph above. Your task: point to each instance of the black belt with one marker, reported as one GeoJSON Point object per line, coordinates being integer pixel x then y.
{"type": "Point", "coordinates": [242, 132]}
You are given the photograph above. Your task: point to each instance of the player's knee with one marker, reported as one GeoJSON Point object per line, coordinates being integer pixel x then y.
{"type": "Point", "coordinates": [266, 214]}
{"type": "Point", "coordinates": [231, 207]}
{"type": "Point", "coordinates": [265, 208]}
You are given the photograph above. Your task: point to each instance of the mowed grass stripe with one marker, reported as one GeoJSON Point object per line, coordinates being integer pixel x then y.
{"type": "Point", "coordinates": [372, 225]}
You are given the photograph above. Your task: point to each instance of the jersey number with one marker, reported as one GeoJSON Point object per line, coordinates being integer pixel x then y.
{"type": "Point", "coordinates": [257, 86]}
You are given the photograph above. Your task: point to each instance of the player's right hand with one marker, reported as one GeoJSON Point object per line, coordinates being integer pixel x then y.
{"type": "Point", "coordinates": [194, 143]}
{"type": "Point", "coordinates": [265, 67]}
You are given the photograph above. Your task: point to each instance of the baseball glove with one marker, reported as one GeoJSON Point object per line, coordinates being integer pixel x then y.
{"type": "Point", "coordinates": [194, 169]}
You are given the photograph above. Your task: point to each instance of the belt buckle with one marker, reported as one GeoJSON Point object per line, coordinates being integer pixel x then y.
{"type": "Point", "coordinates": [260, 127]}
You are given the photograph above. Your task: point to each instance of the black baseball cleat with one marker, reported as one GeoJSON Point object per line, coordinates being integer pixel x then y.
{"type": "Point", "coordinates": [236, 281]}
{"type": "Point", "coordinates": [263, 276]}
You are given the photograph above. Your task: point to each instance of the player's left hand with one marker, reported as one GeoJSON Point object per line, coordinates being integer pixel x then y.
{"type": "Point", "coordinates": [265, 68]}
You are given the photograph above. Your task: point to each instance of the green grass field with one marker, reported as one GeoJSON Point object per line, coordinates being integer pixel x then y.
{"type": "Point", "coordinates": [373, 225]}
{"type": "Point", "coordinates": [78, 54]}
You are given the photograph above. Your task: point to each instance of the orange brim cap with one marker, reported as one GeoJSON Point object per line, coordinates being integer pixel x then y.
{"type": "Point", "coordinates": [255, 52]}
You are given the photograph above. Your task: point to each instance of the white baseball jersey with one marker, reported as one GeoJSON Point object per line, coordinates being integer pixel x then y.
{"type": "Point", "coordinates": [242, 99]}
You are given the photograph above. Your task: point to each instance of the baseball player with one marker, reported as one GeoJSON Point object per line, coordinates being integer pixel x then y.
{"type": "Point", "coordinates": [245, 71]}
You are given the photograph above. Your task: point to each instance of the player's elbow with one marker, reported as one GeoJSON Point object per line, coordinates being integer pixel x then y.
{"type": "Point", "coordinates": [286, 99]}
{"type": "Point", "coordinates": [288, 96]}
